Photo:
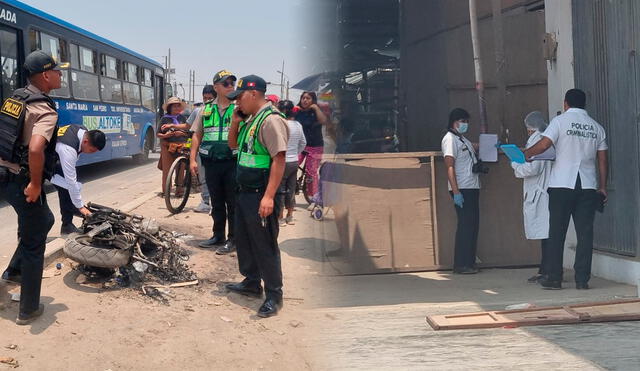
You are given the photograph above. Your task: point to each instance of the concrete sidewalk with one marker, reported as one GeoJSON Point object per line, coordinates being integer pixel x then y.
{"type": "Point", "coordinates": [379, 321]}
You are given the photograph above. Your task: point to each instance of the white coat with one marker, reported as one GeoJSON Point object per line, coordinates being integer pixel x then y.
{"type": "Point", "coordinates": [536, 176]}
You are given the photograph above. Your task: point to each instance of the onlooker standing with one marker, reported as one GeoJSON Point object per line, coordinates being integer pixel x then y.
{"type": "Point", "coordinates": [173, 132]}
{"type": "Point", "coordinates": [464, 186]}
{"type": "Point", "coordinates": [295, 145]}
{"type": "Point", "coordinates": [581, 158]}
{"type": "Point", "coordinates": [311, 117]}
{"type": "Point", "coordinates": [536, 199]}
{"type": "Point", "coordinates": [208, 94]}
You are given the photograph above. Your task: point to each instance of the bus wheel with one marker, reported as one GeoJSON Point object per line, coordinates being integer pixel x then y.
{"type": "Point", "coordinates": [147, 145]}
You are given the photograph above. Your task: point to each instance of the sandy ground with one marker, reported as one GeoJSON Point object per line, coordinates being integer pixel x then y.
{"type": "Point", "coordinates": [202, 328]}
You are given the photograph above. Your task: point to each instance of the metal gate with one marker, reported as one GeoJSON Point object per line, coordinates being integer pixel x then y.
{"type": "Point", "coordinates": [607, 69]}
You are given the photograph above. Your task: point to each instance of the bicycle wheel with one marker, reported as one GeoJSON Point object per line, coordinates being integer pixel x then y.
{"type": "Point", "coordinates": [178, 185]}
{"type": "Point", "coordinates": [306, 188]}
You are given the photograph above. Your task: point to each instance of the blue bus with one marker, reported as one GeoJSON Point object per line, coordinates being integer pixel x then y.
{"type": "Point", "coordinates": [108, 86]}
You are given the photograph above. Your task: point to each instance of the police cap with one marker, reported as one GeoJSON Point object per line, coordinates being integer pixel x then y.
{"type": "Point", "coordinates": [251, 82]}
{"type": "Point", "coordinates": [39, 61]}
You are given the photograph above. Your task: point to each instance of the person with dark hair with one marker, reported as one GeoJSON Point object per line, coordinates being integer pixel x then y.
{"type": "Point", "coordinates": [577, 186]}
{"type": "Point", "coordinates": [261, 142]}
{"type": "Point", "coordinates": [311, 117]}
{"type": "Point", "coordinates": [72, 140]}
{"type": "Point", "coordinates": [208, 95]}
{"type": "Point", "coordinates": [28, 121]}
{"type": "Point", "coordinates": [464, 187]}
{"type": "Point", "coordinates": [210, 142]}
{"type": "Point", "coordinates": [295, 146]}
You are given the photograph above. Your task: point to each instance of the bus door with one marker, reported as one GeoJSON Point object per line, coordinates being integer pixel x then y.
{"type": "Point", "coordinates": [9, 58]}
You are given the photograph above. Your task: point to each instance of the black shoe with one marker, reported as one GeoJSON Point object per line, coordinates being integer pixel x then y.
{"type": "Point", "coordinates": [68, 229]}
{"type": "Point", "coordinates": [550, 285]}
{"type": "Point", "coordinates": [11, 276]}
{"type": "Point", "coordinates": [227, 248]}
{"type": "Point", "coordinates": [465, 270]}
{"type": "Point", "coordinates": [535, 278]}
{"type": "Point", "coordinates": [270, 308]}
{"type": "Point", "coordinates": [245, 288]}
{"type": "Point", "coordinates": [213, 241]}
{"type": "Point", "coordinates": [25, 319]}
{"type": "Point", "coordinates": [582, 286]}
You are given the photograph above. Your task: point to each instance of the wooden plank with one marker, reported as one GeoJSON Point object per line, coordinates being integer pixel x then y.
{"type": "Point", "coordinates": [362, 156]}
{"type": "Point", "coordinates": [609, 311]}
{"type": "Point", "coordinates": [434, 212]}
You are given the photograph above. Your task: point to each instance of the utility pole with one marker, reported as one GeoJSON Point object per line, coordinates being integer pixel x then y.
{"type": "Point", "coordinates": [282, 80]}
{"type": "Point", "coordinates": [169, 67]}
{"type": "Point", "coordinates": [475, 42]}
{"type": "Point", "coordinates": [287, 89]}
{"type": "Point", "coordinates": [501, 66]}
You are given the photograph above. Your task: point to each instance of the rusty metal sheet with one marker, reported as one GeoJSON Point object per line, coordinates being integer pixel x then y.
{"type": "Point", "coordinates": [609, 311]}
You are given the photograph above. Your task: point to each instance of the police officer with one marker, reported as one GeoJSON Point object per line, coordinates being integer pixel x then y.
{"type": "Point", "coordinates": [210, 141]}
{"type": "Point", "coordinates": [577, 185]}
{"type": "Point", "coordinates": [31, 114]}
{"type": "Point", "coordinates": [73, 140]}
{"type": "Point", "coordinates": [208, 94]}
{"type": "Point", "coordinates": [262, 145]}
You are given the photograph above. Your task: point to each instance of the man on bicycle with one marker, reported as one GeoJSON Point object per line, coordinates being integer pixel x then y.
{"type": "Point", "coordinates": [209, 140]}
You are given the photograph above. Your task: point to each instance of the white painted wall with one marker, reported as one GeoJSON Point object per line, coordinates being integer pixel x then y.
{"type": "Point", "coordinates": [558, 20]}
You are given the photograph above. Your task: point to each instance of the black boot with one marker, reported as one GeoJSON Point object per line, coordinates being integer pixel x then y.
{"type": "Point", "coordinates": [270, 307]}
{"type": "Point", "coordinates": [246, 288]}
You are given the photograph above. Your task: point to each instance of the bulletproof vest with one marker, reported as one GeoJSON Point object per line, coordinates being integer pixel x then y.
{"type": "Point", "coordinates": [254, 160]}
{"type": "Point", "coordinates": [69, 135]}
{"type": "Point", "coordinates": [12, 115]}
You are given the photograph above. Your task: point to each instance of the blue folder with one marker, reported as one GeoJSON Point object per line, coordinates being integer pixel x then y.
{"type": "Point", "coordinates": [513, 152]}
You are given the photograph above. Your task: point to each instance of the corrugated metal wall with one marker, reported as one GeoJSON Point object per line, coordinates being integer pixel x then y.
{"type": "Point", "coordinates": [606, 41]}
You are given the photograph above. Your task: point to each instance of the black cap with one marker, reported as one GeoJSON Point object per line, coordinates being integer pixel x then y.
{"type": "Point", "coordinates": [220, 76]}
{"type": "Point", "coordinates": [251, 82]}
{"type": "Point", "coordinates": [39, 61]}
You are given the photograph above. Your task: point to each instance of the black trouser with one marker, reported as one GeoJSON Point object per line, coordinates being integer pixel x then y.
{"type": "Point", "coordinates": [544, 253]}
{"type": "Point", "coordinates": [467, 229]}
{"type": "Point", "coordinates": [580, 204]}
{"type": "Point", "coordinates": [35, 220]}
{"type": "Point", "coordinates": [258, 252]}
{"type": "Point", "coordinates": [221, 181]}
{"type": "Point", "coordinates": [67, 209]}
{"type": "Point", "coordinates": [288, 185]}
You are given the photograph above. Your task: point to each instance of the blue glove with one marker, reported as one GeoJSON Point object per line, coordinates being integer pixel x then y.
{"type": "Point", "coordinates": [458, 199]}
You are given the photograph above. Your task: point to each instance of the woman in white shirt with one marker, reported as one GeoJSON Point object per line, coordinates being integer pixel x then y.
{"type": "Point", "coordinates": [464, 186]}
{"type": "Point", "coordinates": [295, 146]}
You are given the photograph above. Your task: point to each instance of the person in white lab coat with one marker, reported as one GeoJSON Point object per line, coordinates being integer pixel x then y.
{"type": "Point", "coordinates": [536, 199]}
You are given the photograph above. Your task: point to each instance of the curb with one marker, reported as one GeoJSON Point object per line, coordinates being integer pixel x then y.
{"type": "Point", "coordinates": [53, 249]}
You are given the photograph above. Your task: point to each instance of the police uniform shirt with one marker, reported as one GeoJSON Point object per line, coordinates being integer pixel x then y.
{"type": "Point", "coordinates": [464, 160]}
{"type": "Point", "coordinates": [40, 119]}
{"type": "Point", "coordinates": [68, 160]}
{"type": "Point", "coordinates": [274, 133]}
{"type": "Point", "coordinates": [197, 126]}
{"type": "Point", "coordinates": [577, 138]}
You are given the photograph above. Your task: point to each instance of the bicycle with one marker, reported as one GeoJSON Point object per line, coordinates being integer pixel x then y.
{"type": "Point", "coordinates": [179, 181]}
{"type": "Point", "coordinates": [303, 184]}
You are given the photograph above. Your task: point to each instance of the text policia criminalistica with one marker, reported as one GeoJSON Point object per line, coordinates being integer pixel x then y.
{"type": "Point", "coordinates": [582, 130]}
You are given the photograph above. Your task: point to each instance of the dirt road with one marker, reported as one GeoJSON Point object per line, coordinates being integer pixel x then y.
{"type": "Point", "coordinates": [202, 328]}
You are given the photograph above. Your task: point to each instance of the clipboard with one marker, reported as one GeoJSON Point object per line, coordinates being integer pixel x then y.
{"type": "Point", "coordinates": [513, 152]}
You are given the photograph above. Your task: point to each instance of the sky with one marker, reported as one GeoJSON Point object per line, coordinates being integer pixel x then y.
{"type": "Point", "coordinates": [243, 36]}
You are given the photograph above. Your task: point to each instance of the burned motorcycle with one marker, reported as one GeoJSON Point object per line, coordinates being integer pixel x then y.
{"type": "Point", "coordinates": [113, 239]}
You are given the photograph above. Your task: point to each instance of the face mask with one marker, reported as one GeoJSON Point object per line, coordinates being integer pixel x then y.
{"type": "Point", "coordinates": [463, 127]}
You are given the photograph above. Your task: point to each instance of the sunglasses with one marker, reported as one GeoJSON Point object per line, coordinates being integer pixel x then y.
{"type": "Point", "coordinates": [227, 84]}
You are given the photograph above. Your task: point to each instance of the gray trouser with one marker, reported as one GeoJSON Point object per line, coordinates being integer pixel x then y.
{"type": "Point", "coordinates": [203, 181]}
